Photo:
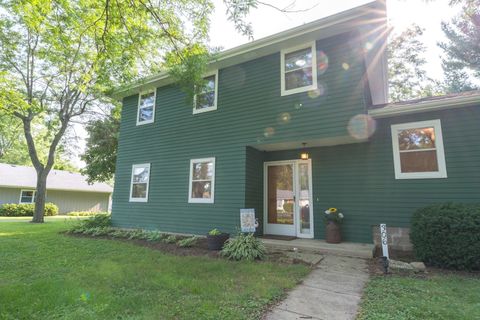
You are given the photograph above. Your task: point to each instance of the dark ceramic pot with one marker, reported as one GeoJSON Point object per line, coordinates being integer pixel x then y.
{"type": "Point", "coordinates": [217, 242]}
{"type": "Point", "coordinates": [333, 232]}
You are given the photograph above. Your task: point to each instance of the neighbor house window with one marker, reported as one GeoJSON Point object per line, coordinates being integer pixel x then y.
{"type": "Point", "coordinates": [418, 150]}
{"type": "Point", "coordinates": [298, 67]}
{"type": "Point", "coordinates": [202, 180]}
{"type": "Point", "coordinates": [207, 99]}
{"type": "Point", "coordinates": [140, 182]}
{"type": "Point", "coordinates": [146, 108]}
{"type": "Point", "coordinates": [27, 196]}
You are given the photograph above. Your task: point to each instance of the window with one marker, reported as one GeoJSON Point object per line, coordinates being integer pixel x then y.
{"type": "Point", "coordinates": [27, 196]}
{"type": "Point", "coordinates": [298, 67]}
{"type": "Point", "coordinates": [140, 182]}
{"type": "Point", "coordinates": [202, 180]}
{"type": "Point", "coordinates": [146, 108]}
{"type": "Point", "coordinates": [207, 100]}
{"type": "Point", "coordinates": [418, 150]}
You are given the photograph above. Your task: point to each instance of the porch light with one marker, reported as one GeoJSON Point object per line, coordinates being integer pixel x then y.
{"type": "Point", "coordinates": [304, 154]}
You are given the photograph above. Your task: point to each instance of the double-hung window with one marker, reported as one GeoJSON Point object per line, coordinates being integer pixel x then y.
{"type": "Point", "coordinates": [206, 100]}
{"type": "Point", "coordinates": [299, 69]}
{"type": "Point", "coordinates": [202, 180]}
{"type": "Point", "coordinates": [418, 150]}
{"type": "Point", "coordinates": [146, 108]}
{"type": "Point", "coordinates": [140, 182]}
{"type": "Point", "coordinates": [27, 196]}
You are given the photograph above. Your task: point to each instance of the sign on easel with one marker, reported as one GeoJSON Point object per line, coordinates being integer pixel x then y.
{"type": "Point", "coordinates": [248, 223]}
{"type": "Point", "coordinates": [384, 239]}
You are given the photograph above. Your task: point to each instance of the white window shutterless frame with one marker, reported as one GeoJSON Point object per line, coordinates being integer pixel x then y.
{"type": "Point", "coordinates": [298, 69]}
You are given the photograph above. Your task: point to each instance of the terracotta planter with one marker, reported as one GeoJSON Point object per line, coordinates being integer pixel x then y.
{"type": "Point", "coordinates": [217, 242]}
{"type": "Point", "coordinates": [333, 232]}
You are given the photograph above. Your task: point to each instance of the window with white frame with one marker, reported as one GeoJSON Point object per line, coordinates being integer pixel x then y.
{"type": "Point", "coordinates": [27, 196]}
{"type": "Point", "coordinates": [146, 107]}
{"type": "Point", "coordinates": [202, 180]}
{"type": "Point", "coordinates": [418, 150]}
{"type": "Point", "coordinates": [207, 99]}
{"type": "Point", "coordinates": [140, 182]}
{"type": "Point", "coordinates": [298, 68]}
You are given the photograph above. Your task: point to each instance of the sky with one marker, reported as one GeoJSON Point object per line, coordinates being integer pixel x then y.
{"type": "Point", "coordinates": [267, 21]}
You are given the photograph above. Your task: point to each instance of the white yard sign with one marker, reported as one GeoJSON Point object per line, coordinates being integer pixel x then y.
{"type": "Point", "coordinates": [384, 238]}
{"type": "Point", "coordinates": [247, 220]}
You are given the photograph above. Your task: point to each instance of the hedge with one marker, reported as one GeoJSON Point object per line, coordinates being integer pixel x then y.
{"type": "Point", "coordinates": [448, 235]}
{"type": "Point", "coordinates": [26, 210]}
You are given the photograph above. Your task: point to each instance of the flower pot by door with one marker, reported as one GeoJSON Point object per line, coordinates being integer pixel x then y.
{"type": "Point", "coordinates": [333, 232]}
{"type": "Point", "coordinates": [216, 242]}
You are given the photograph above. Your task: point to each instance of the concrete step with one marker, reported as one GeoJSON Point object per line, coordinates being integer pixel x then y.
{"type": "Point", "coordinates": [348, 249]}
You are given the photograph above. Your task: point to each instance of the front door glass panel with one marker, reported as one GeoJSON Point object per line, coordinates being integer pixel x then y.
{"type": "Point", "coordinates": [281, 194]}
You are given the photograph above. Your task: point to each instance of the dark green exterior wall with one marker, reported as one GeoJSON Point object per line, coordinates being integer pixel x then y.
{"type": "Point", "coordinates": [359, 179]}
{"type": "Point", "coordinates": [249, 102]}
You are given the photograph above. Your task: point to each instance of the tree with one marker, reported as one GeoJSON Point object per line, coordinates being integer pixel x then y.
{"type": "Point", "coordinates": [101, 150]}
{"type": "Point", "coordinates": [462, 48]}
{"type": "Point", "coordinates": [407, 78]}
{"type": "Point", "coordinates": [58, 58]}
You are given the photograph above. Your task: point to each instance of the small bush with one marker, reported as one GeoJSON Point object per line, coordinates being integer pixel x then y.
{"type": "Point", "coordinates": [187, 242]}
{"type": "Point", "coordinates": [170, 239]}
{"type": "Point", "coordinates": [448, 235]}
{"type": "Point", "coordinates": [99, 220]}
{"type": "Point", "coordinates": [244, 247]}
{"type": "Point", "coordinates": [26, 209]}
{"type": "Point", "coordinates": [84, 213]}
{"type": "Point", "coordinates": [214, 232]}
{"type": "Point", "coordinates": [155, 236]}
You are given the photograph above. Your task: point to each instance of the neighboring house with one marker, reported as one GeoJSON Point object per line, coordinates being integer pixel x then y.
{"type": "Point", "coordinates": [68, 190]}
{"type": "Point", "coordinates": [323, 84]}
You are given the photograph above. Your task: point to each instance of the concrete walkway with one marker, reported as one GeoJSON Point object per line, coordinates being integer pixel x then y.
{"type": "Point", "coordinates": [332, 291]}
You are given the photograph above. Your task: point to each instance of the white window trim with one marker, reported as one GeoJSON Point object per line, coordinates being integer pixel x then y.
{"type": "Point", "coordinates": [139, 123]}
{"type": "Point", "coordinates": [283, 52]}
{"type": "Point", "coordinates": [214, 107]}
{"type": "Point", "coordinates": [33, 198]}
{"type": "Point", "coordinates": [141, 165]}
{"type": "Point", "coordinates": [442, 169]}
{"type": "Point", "coordinates": [201, 200]}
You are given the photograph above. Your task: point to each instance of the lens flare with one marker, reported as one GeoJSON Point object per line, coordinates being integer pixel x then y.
{"type": "Point", "coordinates": [361, 126]}
{"type": "Point", "coordinates": [345, 66]}
{"type": "Point", "coordinates": [368, 46]}
{"type": "Point", "coordinates": [297, 105]}
{"type": "Point", "coordinates": [284, 118]}
{"type": "Point", "coordinates": [269, 132]}
{"type": "Point", "coordinates": [322, 62]}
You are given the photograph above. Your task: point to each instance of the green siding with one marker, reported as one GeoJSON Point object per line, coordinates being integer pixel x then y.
{"type": "Point", "coordinates": [360, 179]}
{"type": "Point", "coordinates": [249, 101]}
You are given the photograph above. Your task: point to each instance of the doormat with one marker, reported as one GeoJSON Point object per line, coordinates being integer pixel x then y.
{"type": "Point", "coordinates": [278, 237]}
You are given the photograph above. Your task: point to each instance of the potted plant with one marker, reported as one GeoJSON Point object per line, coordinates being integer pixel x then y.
{"type": "Point", "coordinates": [333, 220]}
{"type": "Point", "coordinates": [216, 239]}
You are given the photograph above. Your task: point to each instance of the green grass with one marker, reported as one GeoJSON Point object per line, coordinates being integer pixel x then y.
{"type": "Point", "coordinates": [436, 297]}
{"type": "Point", "coordinates": [47, 275]}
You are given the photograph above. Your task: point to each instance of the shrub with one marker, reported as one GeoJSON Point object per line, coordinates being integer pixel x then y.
{"type": "Point", "coordinates": [448, 235]}
{"type": "Point", "coordinates": [99, 220]}
{"type": "Point", "coordinates": [84, 213]}
{"type": "Point", "coordinates": [244, 247]}
{"type": "Point", "coordinates": [187, 242]}
{"type": "Point", "coordinates": [170, 239]}
{"type": "Point", "coordinates": [214, 232]}
{"type": "Point", "coordinates": [155, 236]}
{"type": "Point", "coordinates": [26, 209]}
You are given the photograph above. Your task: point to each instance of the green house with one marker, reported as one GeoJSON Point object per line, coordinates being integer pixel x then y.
{"type": "Point", "coordinates": [290, 125]}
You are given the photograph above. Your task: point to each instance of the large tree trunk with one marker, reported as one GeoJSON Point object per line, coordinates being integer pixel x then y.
{"type": "Point", "coordinates": [40, 196]}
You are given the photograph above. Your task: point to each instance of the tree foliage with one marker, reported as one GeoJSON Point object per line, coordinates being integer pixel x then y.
{"type": "Point", "coordinates": [407, 76]}
{"type": "Point", "coordinates": [462, 48]}
{"type": "Point", "coordinates": [101, 150]}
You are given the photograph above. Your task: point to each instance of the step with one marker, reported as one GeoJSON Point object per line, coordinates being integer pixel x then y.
{"type": "Point", "coordinates": [348, 249]}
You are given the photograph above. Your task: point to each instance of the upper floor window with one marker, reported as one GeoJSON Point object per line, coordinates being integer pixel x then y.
{"type": "Point", "coordinates": [202, 180]}
{"type": "Point", "coordinates": [207, 99]}
{"type": "Point", "coordinates": [418, 150]}
{"type": "Point", "coordinates": [27, 196]}
{"type": "Point", "coordinates": [298, 67]}
{"type": "Point", "coordinates": [140, 182]}
{"type": "Point", "coordinates": [146, 108]}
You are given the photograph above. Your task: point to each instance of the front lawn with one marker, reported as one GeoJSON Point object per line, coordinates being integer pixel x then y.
{"type": "Point", "coordinates": [438, 296]}
{"type": "Point", "coordinates": [47, 275]}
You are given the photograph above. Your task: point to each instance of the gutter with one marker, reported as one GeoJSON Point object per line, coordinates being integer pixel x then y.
{"type": "Point", "coordinates": [400, 109]}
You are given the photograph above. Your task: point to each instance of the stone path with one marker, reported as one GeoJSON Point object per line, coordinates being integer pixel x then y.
{"type": "Point", "coordinates": [332, 291]}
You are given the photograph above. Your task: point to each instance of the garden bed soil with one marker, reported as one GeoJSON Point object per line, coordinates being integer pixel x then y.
{"type": "Point", "coordinates": [199, 249]}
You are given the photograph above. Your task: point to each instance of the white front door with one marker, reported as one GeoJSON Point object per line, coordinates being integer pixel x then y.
{"type": "Point", "coordinates": [288, 198]}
